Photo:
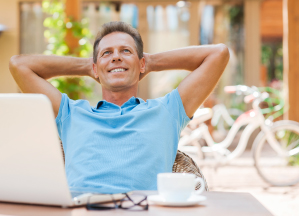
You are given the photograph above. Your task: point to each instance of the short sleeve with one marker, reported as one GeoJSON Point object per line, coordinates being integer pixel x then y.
{"type": "Point", "coordinates": [173, 103]}
{"type": "Point", "coordinates": [64, 111]}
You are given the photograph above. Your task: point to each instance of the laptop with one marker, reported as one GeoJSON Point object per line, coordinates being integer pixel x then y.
{"type": "Point", "coordinates": [31, 161]}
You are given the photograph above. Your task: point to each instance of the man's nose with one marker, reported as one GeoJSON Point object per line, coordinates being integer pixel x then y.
{"type": "Point", "coordinates": [116, 56]}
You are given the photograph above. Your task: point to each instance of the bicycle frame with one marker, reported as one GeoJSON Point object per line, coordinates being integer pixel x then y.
{"type": "Point", "coordinates": [253, 119]}
{"type": "Point", "coordinates": [221, 111]}
{"type": "Point", "coordinates": [267, 130]}
{"type": "Point", "coordinates": [249, 118]}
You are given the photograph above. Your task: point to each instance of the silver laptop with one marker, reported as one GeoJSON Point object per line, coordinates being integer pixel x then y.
{"type": "Point", "coordinates": [31, 161]}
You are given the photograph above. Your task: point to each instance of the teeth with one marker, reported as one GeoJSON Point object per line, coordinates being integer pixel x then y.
{"type": "Point", "coordinates": [117, 70]}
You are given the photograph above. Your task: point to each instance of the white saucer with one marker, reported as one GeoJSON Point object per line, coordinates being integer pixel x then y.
{"type": "Point", "coordinates": [193, 200]}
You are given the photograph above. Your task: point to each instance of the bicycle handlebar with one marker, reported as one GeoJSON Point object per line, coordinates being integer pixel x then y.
{"type": "Point", "coordinates": [256, 95]}
{"type": "Point", "coordinates": [252, 93]}
{"type": "Point", "coordinates": [230, 89]}
{"type": "Point", "coordinates": [240, 89]}
{"type": "Point", "coordinates": [249, 98]}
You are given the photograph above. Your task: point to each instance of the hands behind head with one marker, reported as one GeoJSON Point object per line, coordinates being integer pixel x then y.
{"type": "Point", "coordinates": [90, 70]}
{"type": "Point", "coordinates": [147, 66]}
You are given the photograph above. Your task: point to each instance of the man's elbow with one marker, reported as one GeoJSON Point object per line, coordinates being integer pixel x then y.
{"type": "Point", "coordinates": [17, 65]}
{"type": "Point", "coordinates": [223, 52]}
{"type": "Point", "coordinates": [14, 64]}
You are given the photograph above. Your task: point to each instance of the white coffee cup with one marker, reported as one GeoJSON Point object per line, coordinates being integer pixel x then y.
{"type": "Point", "coordinates": [178, 187]}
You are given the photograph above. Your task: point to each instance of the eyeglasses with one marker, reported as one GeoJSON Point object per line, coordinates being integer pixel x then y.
{"type": "Point", "coordinates": [133, 202]}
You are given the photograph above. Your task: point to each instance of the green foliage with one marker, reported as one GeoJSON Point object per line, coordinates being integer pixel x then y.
{"type": "Point", "coordinates": [57, 25]}
{"type": "Point", "coordinates": [236, 14]}
{"type": "Point", "coordinates": [273, 60]}
{"type": "Point", "coordinates": [266, 54]}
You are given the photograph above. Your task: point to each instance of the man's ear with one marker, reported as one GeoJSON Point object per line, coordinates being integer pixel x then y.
{"type": "Point", "coordinates": [94, 68]}
{"type": "Point", "coordinates": [142, 65]}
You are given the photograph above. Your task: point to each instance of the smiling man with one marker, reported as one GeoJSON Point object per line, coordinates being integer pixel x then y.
{"type": "Point", "coordinates": [123, 142]}
{"type": "Point", "coordinates": [121, 75]}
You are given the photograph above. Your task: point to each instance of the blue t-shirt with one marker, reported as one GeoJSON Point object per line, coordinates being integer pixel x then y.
{"type": "Point", "coordinates": [115, 149]}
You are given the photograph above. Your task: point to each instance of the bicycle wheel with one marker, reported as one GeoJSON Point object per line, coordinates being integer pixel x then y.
{"type": "Point", "coordinates": [279, 167]}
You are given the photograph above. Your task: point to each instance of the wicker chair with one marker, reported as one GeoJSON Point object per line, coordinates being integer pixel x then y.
{"type": "Point", "coordinates": [182, 164]}
{"type": "Point", "coordinates": [185, 164]}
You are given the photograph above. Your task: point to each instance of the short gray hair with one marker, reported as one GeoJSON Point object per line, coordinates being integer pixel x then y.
{"type": "Point", "coordinates": [111, 27]}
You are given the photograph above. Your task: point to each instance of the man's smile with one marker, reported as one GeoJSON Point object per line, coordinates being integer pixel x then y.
{"type": "Point", "coordinates": [119, 69]}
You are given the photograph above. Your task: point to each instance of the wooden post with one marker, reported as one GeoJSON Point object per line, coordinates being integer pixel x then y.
{"type": "Point", "coordinates": [290, 57]}
{"type": "Point", "coordinates": [143, 89]}
{"type": "Point", "coordinates": [252, 42]}
{"type": "Point", "coordinates": [194, 23]}
{"type": "Point", "coordinates": [73, 10]}
{"type": "Point", "coordinates": [201, 6]}
{"type": "Point", "coordinates": [220, 30]}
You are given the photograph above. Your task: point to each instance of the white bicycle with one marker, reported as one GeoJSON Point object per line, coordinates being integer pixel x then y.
{"type": "Point", "coordinates": [222, 117]}
{"type": "Point", "coordinates": [275, 149]}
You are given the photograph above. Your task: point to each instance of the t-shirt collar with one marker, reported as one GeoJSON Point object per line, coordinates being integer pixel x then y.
{"type": "Point", "coordinates": [132, 101]}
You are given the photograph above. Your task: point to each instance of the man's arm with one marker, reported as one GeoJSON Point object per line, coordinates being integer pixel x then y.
{"type": "Point", "coordinates": [32, 71]}
{"type": "Point", "coordinates": [207, 63]}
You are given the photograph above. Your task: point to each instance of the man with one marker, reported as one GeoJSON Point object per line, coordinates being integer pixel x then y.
{"type": "Point", "coordinates": [123, 142]}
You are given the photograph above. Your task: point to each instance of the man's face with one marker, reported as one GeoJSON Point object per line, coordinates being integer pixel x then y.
{"type": "Point", "coordinates": [118, 66]}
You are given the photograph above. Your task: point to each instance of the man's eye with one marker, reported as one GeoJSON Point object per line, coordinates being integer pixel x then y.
{"type": "Point", "coordinates": [126, 51]}
{"type": "Point", "coordinates": [106, 53]}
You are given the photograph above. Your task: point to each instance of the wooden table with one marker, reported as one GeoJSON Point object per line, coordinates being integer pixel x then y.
{"type": "Point", "coordinates": [217, 203]}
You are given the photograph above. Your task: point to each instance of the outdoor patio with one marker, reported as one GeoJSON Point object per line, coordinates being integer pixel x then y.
{"type": "Point", "coordinates": [262, 39]}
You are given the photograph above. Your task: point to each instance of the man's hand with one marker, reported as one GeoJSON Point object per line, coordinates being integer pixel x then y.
{"type": "Point", "coordinates": [148, 64]}
{"type": "Point", "coordinates": [91, 72]}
